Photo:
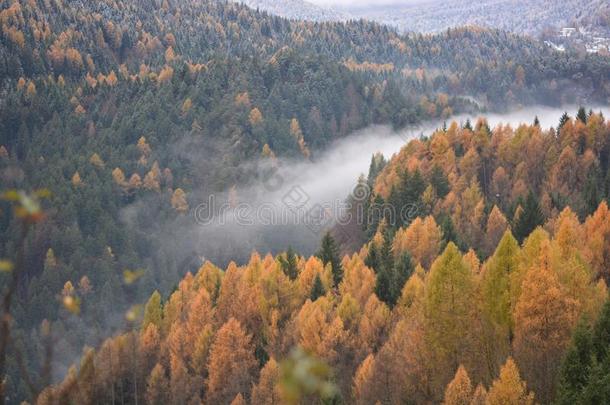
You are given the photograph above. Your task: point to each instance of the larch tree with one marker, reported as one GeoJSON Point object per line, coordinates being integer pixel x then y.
{"type": "Point", "coordinates": [232, 365]}
{"type": "Point", "coordinates": [319, 331]}
{"type": "Point", "coordinates": [149, 347]}
{"type": "Point", "coordinates": [267, 391]}
{"type": "Point", "coordinates": [459, 391]}
{"type": "Point", "coordinates": [496, 298]}
{"type": "Point", "coordinates": [255, 117]}
{"type": "Point", "coordinates": [76, 180]}
{"type": "Point", "coordinates": [178, 201]}
{"type": "Point", "coordinates": [119, 177]}
{"type": "Point", "coordinates": [181, 386]}
{"type": "Point", "coordinates": [153, 311]}
{"type": "Point", "coordinates": [239, 400]}
{"type": "Point", "coordinates": [157, 388]}
{"type": "Point", "coordinates": [358, 280]}
{"type": "Point", "coordinates": [509, 388]}
{"type": "Point", "coordinates": [544, 319]}
{"type": "Point", "coordinates": [422, 239]}
{"type": "Point", "coordinates": [363, 390]}
{"type": "Point", "coordinates": [479, 397]}
{"type": "Point", "coordinates": [450, 292]}
{"type": "Point", "coordinates": [374, 324]}
{"type": "Point", "coordinates": [597, 235]}
{"type": "Point", "coordinates": [496, 226]}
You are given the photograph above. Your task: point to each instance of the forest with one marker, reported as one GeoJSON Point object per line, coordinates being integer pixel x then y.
{"type": "Point", "coordinates": [109, 105]}
{"type": "Point", "coordinates": [508, 307]}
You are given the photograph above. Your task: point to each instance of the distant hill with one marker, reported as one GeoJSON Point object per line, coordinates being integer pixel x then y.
{"type": "Point", "coordinates": [524, 17]}
{"type": "Point", "coordinates": [296, 9]}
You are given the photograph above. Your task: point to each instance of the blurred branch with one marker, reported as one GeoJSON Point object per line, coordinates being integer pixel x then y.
{"type": "Point", "coordinates": [27, 210]}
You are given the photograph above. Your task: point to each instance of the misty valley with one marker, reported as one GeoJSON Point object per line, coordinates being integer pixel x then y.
{"type": "Point", "coordinates": [292, 202]}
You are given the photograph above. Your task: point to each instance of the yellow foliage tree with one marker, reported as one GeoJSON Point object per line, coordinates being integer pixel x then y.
{"type": "Point", "coordinates": [509, 388]}
{"type": "Point", "coordinates": [179, 202]}
{"type": "Point", "coordinates": [255, 117]}
{"type": "Point", "coordinates": [231, 365]}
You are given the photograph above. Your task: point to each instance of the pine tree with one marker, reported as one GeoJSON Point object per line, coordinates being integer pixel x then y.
{"type": "Point", "coordinates": [536, 121]}
{"type": "Point", "coordinates": [329, 253]}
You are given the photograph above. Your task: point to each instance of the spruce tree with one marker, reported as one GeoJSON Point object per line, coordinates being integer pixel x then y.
{"type": "Point", "coordinates": [317, 290]}
{"type": "Point", "coordinates": [329, 253]}
{"type": "Point", "coordinates": [383, 287]}
{"type": "Point", "coordinates": [372, 259]}
{"type": "Point", "coordinates": [562, 121]}
{"type": "Point", "coordinates": [582, 115]}
{"type": "Point", "coordinates": [403, 269]}
{"type": "Point", "coordinates": [536, 121]}
{"type": "Point", "coordinates": [449, 232]}
{"type": "Point", "coordinates": [530, 218]}
{"type": "Point", "coordinates": [386, 280]}
{"type": "Point", "coordinates": [439, 182]}
{"type": "Point", "coordinates": [601, 334]}
{"type": "Point", "coordinates": [289, 264]}
{"type": "Point", "coordinates": [576, 367]}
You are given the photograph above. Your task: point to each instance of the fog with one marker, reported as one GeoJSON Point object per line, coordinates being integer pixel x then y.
{"type": "Point", "coordinates": [292, 203]}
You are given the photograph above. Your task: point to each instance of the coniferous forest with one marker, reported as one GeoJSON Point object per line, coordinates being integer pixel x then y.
{"type": "Point", "coordinates": [119, 117]}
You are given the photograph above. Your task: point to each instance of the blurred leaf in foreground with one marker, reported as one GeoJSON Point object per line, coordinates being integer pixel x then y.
{"type": "Point", "coordinates": [6, 266]}
{"type": "Point", "coordinates": [303, 375]}
{"type": "Point", "coordinates": [131, 276]}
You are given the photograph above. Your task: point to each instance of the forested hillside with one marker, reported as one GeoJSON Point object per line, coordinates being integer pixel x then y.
{"type": "Point", "coordinates": [530, 17]}
{"type": "Point", "coordinates": [508, 307]}
{"type": "Point", "coordinates": [296, 9]}
{"type": "Point", "coordinates": [108, 105]}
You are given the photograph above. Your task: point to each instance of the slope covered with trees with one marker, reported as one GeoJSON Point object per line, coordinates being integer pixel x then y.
{"type": "Point", "coordinates": [424, 313]}
{"type": "Point", "coordinates": [113, 103]}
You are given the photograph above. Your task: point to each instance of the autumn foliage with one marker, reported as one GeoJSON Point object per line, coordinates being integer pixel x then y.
{"type": "Point", "coordinates": [221, 336]}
